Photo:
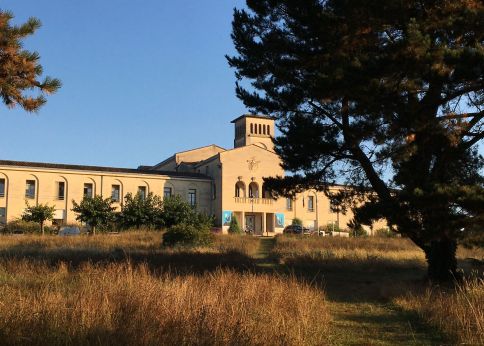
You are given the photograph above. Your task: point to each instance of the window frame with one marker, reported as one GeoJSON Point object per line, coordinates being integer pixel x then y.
{"type": "Point", "coordinates": [88, 187]}
{"type": "Point", "coordinates": [28, 192]}
{"type": "Point", "coordinates": [311, 203]}
{"type": "Point", "coordinates": [192, 197]}
{"type": "Point", "coordinates": [3, 185]}
{"type": "Point", "coordinates": [61, 197]}
{"type": "Point", "coordinates": [116, 188]}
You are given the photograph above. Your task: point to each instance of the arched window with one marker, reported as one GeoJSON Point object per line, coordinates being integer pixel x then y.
{"type": "Point", "coordinates": [260, 129]}
{"type": "Point", "coordinates": [264, 129]}
{"type": "Point", "coordinates": [251, 128]}
{"type": "Point", "coordinates": [253, 190]}
{"type": "Point", "coordinates": [268, 130]}
{"type": "Point", "coordinates": [240, 189]}
{"type": "Point", "coordinates": [265, 193]}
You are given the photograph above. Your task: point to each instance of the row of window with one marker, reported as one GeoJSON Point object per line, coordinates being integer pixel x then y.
{"type": "Point", "coordinates": [260, 129]}
{"type": "Point", "coordinates": [289, 202]}
{"type": "Point", "coordinates": [88, 191]}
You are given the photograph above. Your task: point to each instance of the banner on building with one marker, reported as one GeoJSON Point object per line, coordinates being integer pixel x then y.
{"type": "Point", "coordinates": [226, 217]}
{"type": "Point", "coordinates": [279, 220]}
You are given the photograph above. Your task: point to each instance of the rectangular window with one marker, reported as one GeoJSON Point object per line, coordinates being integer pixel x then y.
{"type": "Point", "coordinates": [167, 192]}
{"type": "Point", "coordinates": [311, 203]}
{"type": "Point", "coordinates": [30, 189]}
{"type": "Point", "coordinates": [142, 191]}
{"type": "Point", "coordinates": [289, 203]}
{"type": "Point", "coordinates": [2, 187]}
{"type": "Point", "coordinates": [115, 193]}
{"type": "Point", "coordinates": [61, 190]}
{"type": "Point", "coordinates": [88, 190]}
{"type": "Point", "coordinates": [192, 197]}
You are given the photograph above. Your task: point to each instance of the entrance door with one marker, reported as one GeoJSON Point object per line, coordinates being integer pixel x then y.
{"type": "Point", "coordinates": [250, 223]}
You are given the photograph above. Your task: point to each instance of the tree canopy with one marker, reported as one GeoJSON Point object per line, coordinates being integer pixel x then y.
{"type": "Point", "coordinates": [95, 211]}
{"type": "Point", "coordinates": [39, 213]}
{"type": "Point", "coordinates": [20, 69]}
{"type": "Point", "coordinates": [385, 94]}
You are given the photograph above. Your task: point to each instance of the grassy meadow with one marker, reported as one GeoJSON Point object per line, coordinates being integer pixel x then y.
{"type": "Point", "coordinates": [128, 289]}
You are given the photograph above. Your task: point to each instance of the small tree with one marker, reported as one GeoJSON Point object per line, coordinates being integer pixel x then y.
{"type": "Point", "coordinates": [234, 227]}
{"type": "Point", "coordinates": [19, 68]}
{"type": "Point", "coordinates": [39, 213]}
{"type": "Point", "coordinates": [177, 211]}
{"type": "Point", "coordinates": [140, 211]}
{"type": "Point", "coordinates": [94, 211]}
{"type": "Point", "coordinates": [297, 222]}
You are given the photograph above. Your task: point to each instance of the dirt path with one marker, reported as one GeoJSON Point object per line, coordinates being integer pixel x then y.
{"type": "Point", "coordinates": [362, 313]}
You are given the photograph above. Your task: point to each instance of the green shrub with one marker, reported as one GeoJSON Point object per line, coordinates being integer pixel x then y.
{"type": "Point", "coordinates": [234, 227]}
{"type": "Point", "coordinates": [297, 222]}
{"type": "Point", "coordinates": [385, 233]}
{"type": "Point", "coordinates": [330, 228]}
{"type": "Point", "coordinates": [187, 235]}
{"type": "Point", "coordinates": [21, 226]}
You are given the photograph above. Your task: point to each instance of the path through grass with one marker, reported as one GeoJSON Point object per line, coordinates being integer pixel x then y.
{"type": "Point", "coordinates": [360, 302]}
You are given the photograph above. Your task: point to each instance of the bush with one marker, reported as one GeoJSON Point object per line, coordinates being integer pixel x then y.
{"type": "Point", "coordinates": [234, 227]}
{"type": "Point", "coordinates": [188, 235]}
{"type": "Point", "coordinates": [385, 233]}
{"type": "Point", "coordinates": [329, 229]}
{"type": "Point", "coordinates": [21, 226]}
{"type": "Point", "coordinates": [297, 222]}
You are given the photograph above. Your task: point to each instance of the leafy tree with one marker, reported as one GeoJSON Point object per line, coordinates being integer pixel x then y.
{"type": "Point", "coordinates": [140, 211]}
{"type": "Point", "coordinates": [297, 222]}
{"type": "Point", "coordinates": [178, 211]}
{"type": "Point", "coordinates": [38, 213]}
{"type": "Point", "coordinates": [234, 226]}
{"type": "Point", "coordinates": [20, 69]}
{"type": "Point", "coordinates": [94, 211]}
{"type": "Point", "coordinates": [385, 93]}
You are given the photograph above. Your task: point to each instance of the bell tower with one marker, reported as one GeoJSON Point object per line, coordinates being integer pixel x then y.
{"type": "Point", "coordinates": [254, 129]}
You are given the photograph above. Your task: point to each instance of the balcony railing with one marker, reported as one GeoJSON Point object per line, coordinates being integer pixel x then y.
{"type": "Point", "coordinates": [249, 200]}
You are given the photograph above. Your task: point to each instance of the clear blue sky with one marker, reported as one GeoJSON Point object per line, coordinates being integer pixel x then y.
{"type": "Point", "coordinates": [141, 80]}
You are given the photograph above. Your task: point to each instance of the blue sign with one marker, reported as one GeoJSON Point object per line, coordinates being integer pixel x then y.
{"type": "Point", "coordinates": [226, 217]}
{"type": "Point", "coordinates": [279, 220]}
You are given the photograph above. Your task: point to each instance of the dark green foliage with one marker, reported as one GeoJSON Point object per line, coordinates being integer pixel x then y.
{"type": "Point", "coordinates": [187, 235]}
{"type": "Point", "coordinates": [297, 222]}
{"type": "Point", "coordinates": [178, 211]}
{"type": "Point", "coordinates": [234, 227]}
{"type": "Point", "coordinates": [94, 211]}
{"type": "Point", "coordinates": [39, 214]}
{"type": "Point", "coordinates": [386, 94]}
{"type": "Point", "coordinates": [139, 211]}
{"type": "Point", "coordinates": [22, 226]}
{"type": "Point", "coordinates": [19, 68]}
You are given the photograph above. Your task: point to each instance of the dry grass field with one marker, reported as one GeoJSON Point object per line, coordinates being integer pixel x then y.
{"type": "Point", "coordinates": [128, 289]}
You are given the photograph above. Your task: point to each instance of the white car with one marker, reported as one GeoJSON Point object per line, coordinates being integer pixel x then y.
{"type": "Point", "coordinates": [67, 231]}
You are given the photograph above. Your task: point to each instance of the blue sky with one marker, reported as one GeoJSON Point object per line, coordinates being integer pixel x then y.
{"type": "Point", "coordinates": [141, 80]}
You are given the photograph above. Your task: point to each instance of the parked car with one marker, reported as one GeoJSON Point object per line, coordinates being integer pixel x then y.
{"type": "Point", "coordinates": [296, 229]}
{"type": "Point", "coordinates": [66, 231]}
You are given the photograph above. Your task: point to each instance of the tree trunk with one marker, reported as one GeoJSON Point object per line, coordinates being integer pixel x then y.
{"type": "Point", "coordinates": [93, 230]}
{"type": "Point", "coordinates": [442, 263]}
{"type": "Point", "coordinates": [42, 228]}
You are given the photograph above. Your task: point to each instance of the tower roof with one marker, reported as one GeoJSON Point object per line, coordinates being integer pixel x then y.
{"type": "Point", "coordinates": [256, 116]}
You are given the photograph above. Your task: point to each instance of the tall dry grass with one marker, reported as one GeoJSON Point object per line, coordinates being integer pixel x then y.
{"type": "Point", "coordinates": [123, 304]}
{"type": "Point", "coordinates": [348, 253]}
{"type": "Point", "coordinates": [459, 313]}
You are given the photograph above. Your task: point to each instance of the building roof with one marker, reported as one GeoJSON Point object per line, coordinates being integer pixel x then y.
{"type": "Point", "coordinates": [101, 169]}
{"type": "Point", "coordinates": [256, 116]}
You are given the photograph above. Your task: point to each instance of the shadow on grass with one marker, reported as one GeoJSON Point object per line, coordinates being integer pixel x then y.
{"type": "Point", "coordinates": [180, 261]}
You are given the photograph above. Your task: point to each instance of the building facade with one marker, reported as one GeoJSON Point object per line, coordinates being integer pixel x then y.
{"type": "Point", "coordinates": [222, 182]}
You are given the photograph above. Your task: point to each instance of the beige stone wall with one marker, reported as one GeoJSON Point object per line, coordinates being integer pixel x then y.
{"type": "Point", "coordinates": [47, 186]}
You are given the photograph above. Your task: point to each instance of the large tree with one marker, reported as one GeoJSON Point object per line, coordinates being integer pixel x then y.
{"type": "Point", "coordinates": [20, 70]}
{"type": "Point", "coordinates": [386, 94]}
